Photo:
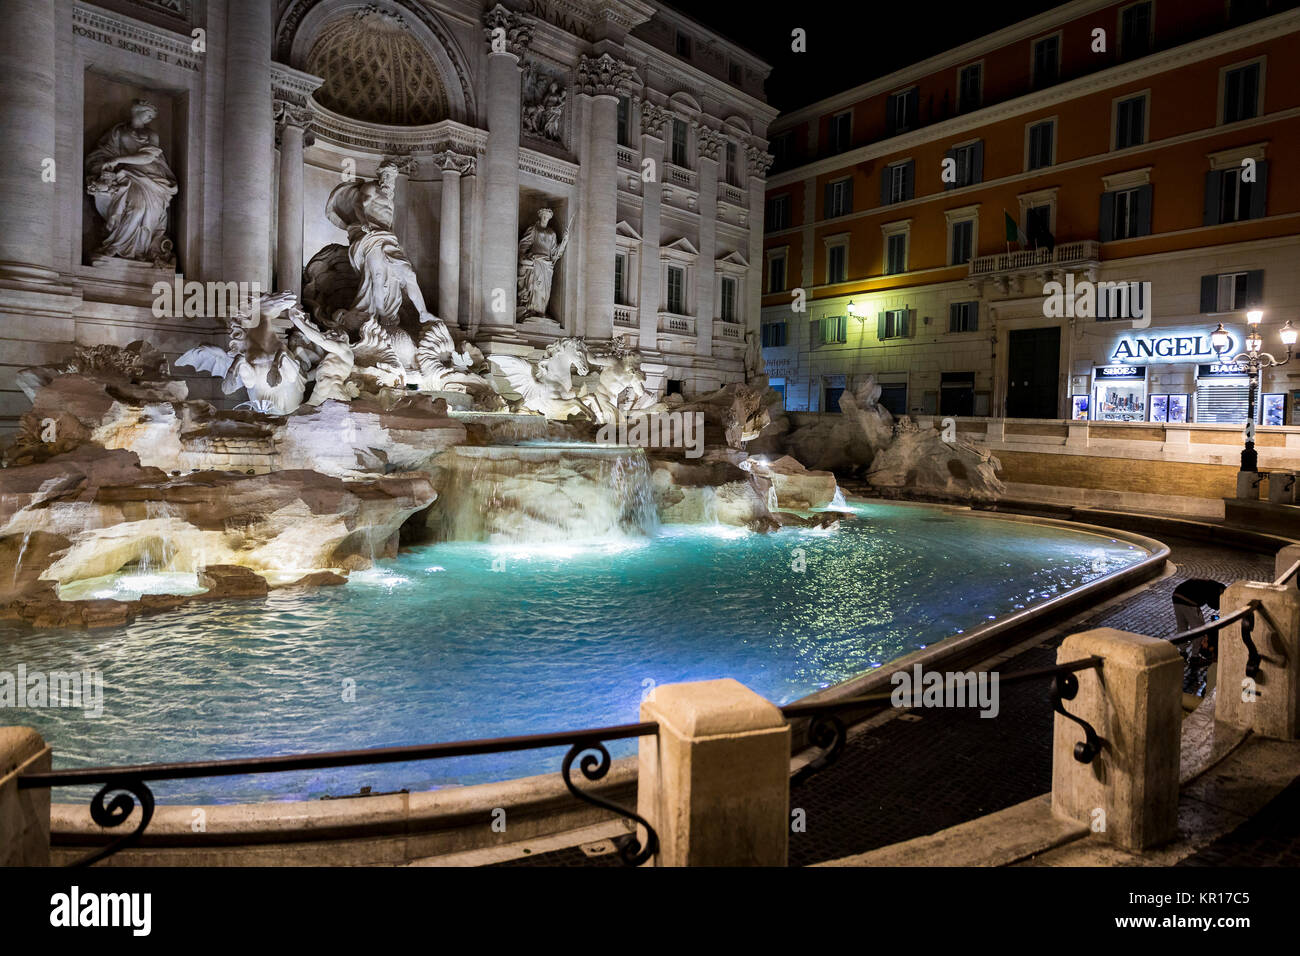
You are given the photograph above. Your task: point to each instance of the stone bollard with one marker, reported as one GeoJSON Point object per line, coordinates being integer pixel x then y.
{"type": "Point", "coordinates": [24, 814]}
{"type": "Point", "coordinates": [1281, 487]}
{"type": "Point", "coordinates": [1248, 484]}
{"type": "Point", "coordinates": [1285, 558]}
{"type": "Point", "coordinates": [715, 781]}
{"type": "Point", "coordinates": [1129, 792]}
{"type": "Point", "coordinates": [1269, 702]}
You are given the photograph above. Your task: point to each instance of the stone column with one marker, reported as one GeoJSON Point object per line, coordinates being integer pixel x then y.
{"type": "Point", "coordinates": [24, 814]}
{"type": "Point", "coordinates": [603, 79]}
{"type": "Point", "coordinates": [469, 237]}
{"type": "Point", "coordinates": [28, 116]}
{"type": "Point", "coordinates": [291, 122]}
{"type": "Point", "coordinates": [508, 35]}
{"type": "Point", "coordinates": [1267, 703]}
{"type": "Point", "coordinates": [757, 164]}
{"type": "Point", "coordinates": [452, 164]}
{"type": "Point", "coordinates": [654, 119]}
{"type": "Point", "coordinates": [249, 144]}
{"type": "Point", "coordinates": [714, 782]}
{"type": "Point", "coordinates": [1134, 703]}
{"type": "Point", "coordinates": [709, 143]}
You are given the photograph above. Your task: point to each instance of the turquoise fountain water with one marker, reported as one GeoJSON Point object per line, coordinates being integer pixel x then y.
{"type": "Point", "coordinates": [465, 640]}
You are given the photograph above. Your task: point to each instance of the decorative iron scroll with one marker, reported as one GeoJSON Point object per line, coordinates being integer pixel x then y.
{"type": "Point", "coordinates": [594, 766]}
{"type": "Point", "coordinates": [115, 812]}
{"type": "Point", "coordinates": [1066, 687]}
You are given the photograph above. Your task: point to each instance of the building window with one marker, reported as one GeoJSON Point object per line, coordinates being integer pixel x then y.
{"type": "Point", "coordinates": [964, 316]}
{"type": "Point", "coordinates": [679, 143]}
{"type": "Point", "coordinates": [1126, 213]}
{"type": "Point", "coordinates": [677, 290]}
{"type": "Point", "coordinates": [733, 164]}
{"type": "Point", "coordinates": [968, 161]}
{"type": "Point", "coordinates": [776, 272]}
{"type": "Point", "coordinates": [902, 111]}
{"type": "Point", "coordinates": [1235, 196]}
{"type": "Point", "coordinates": [1040, 148]}
{"type": "Point", "coordinates": [837, 263]}
{"type": "Point", "coordinates": [892, 324]}
{"type": "Point", "coordinates": [624, 121]}
{"type": "Point", "coordinates": [970, 88]}
{"type": "Point", "coordinates": [780, 146]}
{"type": "Point", "coordinates": [1047, 61]}
{"type": "Point", "coordinates": [1130, 122]}
{"type": "Point", "coordinates": [1135, 30]}
{"type": "Point", "coordinates": [1241, 93]}
{"type": "Point", "coordinates": [839, 198]}
{"type": "Point", "coordinates": [841, 131]}
{"type": "Point", "coordinates": [896, 253]}
{"type": "Point", "coordinates": [727, 300]}
{"type": "Point", "coordinates": [961, 242]}
{"type": "Point", "coordinates": [898, 184]}
{"type": "Point", "coordinates": [683, 45]}
{"type": "Point", "coordinates": [832, 330]}
{"type": "Point", "coordinates": [1232, 291]}
{"type": "Point", "coordinates": [734, 73]}
{"type": "Point", "coordinates": [778, 212]}
{"type": "Point", "coordinates": [773, 335]}
{"type": "Point", "coordinates": [620, 278]}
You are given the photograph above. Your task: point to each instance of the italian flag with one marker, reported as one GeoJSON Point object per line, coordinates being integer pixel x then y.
{"type": "Point", "coordinates": [1013, 230]}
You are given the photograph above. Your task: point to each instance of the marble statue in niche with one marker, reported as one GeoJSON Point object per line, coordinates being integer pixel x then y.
{"type": "Point", "coordinates": [539, 251]}
{"type": "Point", "coordinates": [364, 209]}
{"type": "Point", "coordinates": [542, 112]}
{"type": "Point", "coordinates": [132, 186]}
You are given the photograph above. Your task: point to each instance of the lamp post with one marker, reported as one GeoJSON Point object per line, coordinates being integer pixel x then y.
{"type": "Point", "coordinates": [1254, 358]}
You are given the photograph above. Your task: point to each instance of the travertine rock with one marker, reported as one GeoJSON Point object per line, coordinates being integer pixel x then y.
{"type": "Point", "coordinates": [797, 488]}
{"type": "Point", "coordinates": [921, 461]}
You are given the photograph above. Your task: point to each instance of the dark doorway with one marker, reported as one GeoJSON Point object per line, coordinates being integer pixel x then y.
{"type": "Point", "coordinates": [831, 401]}
{"type": "Point", "coordinates": [674, 387]}
{"type": "Point", "coordinates": [1033, 373]}
{"type": "Point", "coordinates": [957, 393]}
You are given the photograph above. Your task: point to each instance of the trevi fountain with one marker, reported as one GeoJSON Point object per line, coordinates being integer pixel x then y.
{"type": "Point", "coordinates": [474, 544]}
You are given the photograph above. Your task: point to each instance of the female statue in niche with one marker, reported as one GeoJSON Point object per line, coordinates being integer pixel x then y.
{"type": "Point", "coordinates": [132, 187]}
{"type": "Point", "coordinates": [539, 250]}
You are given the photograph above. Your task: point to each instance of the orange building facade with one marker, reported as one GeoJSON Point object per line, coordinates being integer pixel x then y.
{"type": "Point", "coordinates": [1048, 222]}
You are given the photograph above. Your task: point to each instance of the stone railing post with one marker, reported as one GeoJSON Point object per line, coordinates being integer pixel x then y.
{"type": "Point", "coordinates": [1267, 703]}
{"type": "Point", "coordinates": [24, 814]}
{"type": "Point", "coordinates": [1129, 792]}
{"type": "Point", "coordinates": [715, 781]}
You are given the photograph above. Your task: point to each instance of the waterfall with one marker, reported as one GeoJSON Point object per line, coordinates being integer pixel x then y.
{"type": "Point", "coordinates": [22, 549]}
{"type": "Point", "coordinates": [543, 494]}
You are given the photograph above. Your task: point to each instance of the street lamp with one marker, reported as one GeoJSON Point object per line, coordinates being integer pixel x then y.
{"type": "Point", "coordinates": [1254, 358]}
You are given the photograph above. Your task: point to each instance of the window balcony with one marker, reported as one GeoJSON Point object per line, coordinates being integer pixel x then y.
{"type": "Point", "coordinates": [680, 176]}
{"type": "Point", "coordinates": [731, 194]}
{"type": "Point", "coordinates": [731, 331]}
{"type": "Point", "coordinates": [1007, 267]}
{"type": "Point", "coordinates": [627, 157]}
{"type": "Point", "coordinates": [675, 324]}
{"type": "Point", "coordinates": [626, 316]}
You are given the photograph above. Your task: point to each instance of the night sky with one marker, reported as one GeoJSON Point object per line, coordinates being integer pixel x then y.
{"type": "Point", "coordinates": [849, 44]}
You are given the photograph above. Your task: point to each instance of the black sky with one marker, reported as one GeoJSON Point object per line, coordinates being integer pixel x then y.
{"type": "Point", "coordinates": [850, 43]}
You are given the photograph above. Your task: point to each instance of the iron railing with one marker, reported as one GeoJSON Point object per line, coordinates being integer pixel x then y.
{"type": "Point", "coordinates": [128, 785]}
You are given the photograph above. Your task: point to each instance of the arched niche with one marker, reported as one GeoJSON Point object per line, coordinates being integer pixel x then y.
{"type": "Point", "coordinates": [304, 22]}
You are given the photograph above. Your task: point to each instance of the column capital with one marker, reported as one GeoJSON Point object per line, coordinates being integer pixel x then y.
{"type": "Point", "coordinates": [604, 75]}
{"type": "Point", "coordinates": [759, 161]}
{"type": "Point", "coordinates": [406, 164]}
{"type": "Point", "coordinates": [288, 113]}
{"type": "Point", "coordinates": [654, 119]}
{"type": "Point", "coordinates": [507, 32]}
{"type": "Point", "coordinates": [710, 141]}
{"type": "Point", "coordinates": [450, 161]}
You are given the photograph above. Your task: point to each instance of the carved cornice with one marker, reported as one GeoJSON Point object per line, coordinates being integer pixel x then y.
{"type": "Point", "coordinates": [709, 141]}
{"type": "Point", "coordinates": [397, 140]}
{"type": "Point", "coordinates": [450, 161]}
{"type": "Point", "coordinates": [605, 76]}
{"type": "Point", "coordinates": [531, 161]}
{"type": "Point", "coordinates": [654, 119]}
{"type": "Point", "coordinates": [758, 161]}
{"type": "Point", "coordinates": [517, 35]}
{"type": "Point", "coordinates": [293, 86]}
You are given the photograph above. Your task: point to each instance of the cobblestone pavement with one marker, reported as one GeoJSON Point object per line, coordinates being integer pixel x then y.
{"type": "Point", "coordinates": [933, 769]}
{"type": "Point", "coordinates": [1269, 838]}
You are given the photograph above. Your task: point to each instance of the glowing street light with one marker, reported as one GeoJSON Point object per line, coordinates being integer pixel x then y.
{"type": "Point", "coordinates": [1254, 358]}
